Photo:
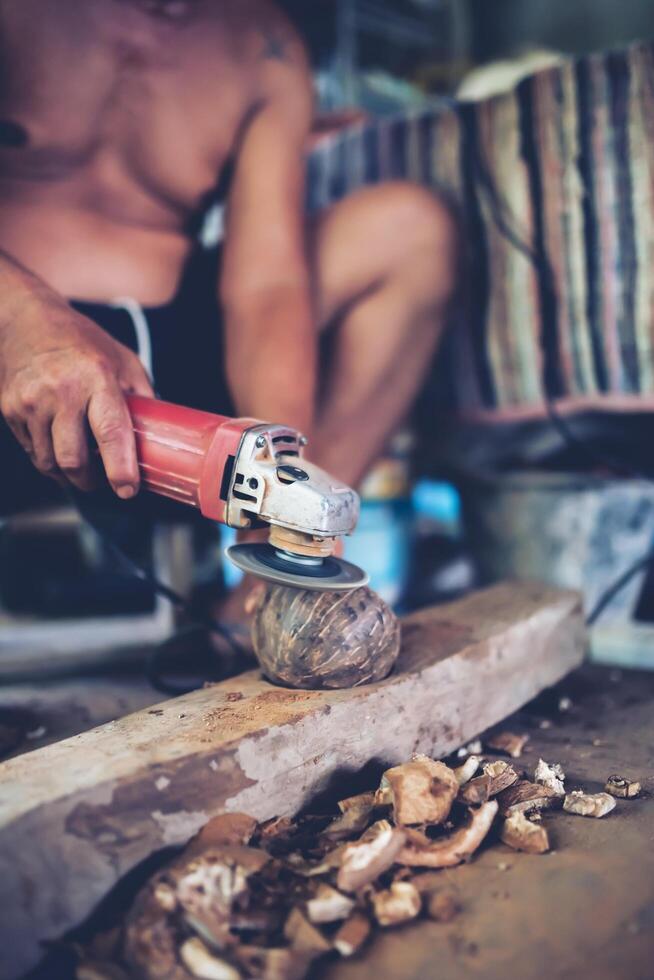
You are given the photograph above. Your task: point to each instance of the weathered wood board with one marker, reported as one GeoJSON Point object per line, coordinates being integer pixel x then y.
{"type": "Point", "coordinates": [77, 815]}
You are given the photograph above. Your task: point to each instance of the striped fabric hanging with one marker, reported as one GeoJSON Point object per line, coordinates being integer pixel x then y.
{"type": "Point", "coordinates": [554, 182]}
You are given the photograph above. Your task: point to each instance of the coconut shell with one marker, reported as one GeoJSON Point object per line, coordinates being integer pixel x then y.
{"type": "Point", "coordinates": [324, 639]}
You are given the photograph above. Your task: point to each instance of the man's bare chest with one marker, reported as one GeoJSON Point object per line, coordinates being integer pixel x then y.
{"type": "Point", "coordinates": [118, 118]}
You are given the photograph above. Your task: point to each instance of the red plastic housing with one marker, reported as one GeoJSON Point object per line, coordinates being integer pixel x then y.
{"type": "Point", "coordinates": [182, 452]}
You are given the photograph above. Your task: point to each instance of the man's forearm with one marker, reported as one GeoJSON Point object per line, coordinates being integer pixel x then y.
{"type": "Point", "coordinates": [271, 355]}
{"type": "Point", "coordinates": [23, 297]}
{"type": "Point", "coordinates": [18, 281]}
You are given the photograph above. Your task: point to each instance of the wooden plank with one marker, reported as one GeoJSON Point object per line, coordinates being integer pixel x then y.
{"type": "Point", "coordinates": [77, 815]}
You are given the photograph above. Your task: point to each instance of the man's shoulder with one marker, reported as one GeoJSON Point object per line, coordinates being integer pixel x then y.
{"type": "Point", "coordinates": [278, 38]}
{"type": "Point", "coordinates": [282, 61]}
{"type": "Point", "coordinates": [261, 43]}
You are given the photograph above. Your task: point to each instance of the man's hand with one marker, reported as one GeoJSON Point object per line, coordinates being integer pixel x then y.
{"type": "Point", "coordinates": [63, 383]}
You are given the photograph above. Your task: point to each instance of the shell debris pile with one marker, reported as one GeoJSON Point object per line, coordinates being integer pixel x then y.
{"type": "Point", "coordinates": [247, 900]}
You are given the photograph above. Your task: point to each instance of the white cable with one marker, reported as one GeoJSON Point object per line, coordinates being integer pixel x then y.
{"type": "Point", "coordinates": [141, 328]}
{"type": "Point", "coordinates": [213, 228]}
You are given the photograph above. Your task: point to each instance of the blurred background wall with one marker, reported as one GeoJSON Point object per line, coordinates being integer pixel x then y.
{"type": "Point", "coordinates": [501, 26]}
{"type": "Point", "coordinates": [389, 54]}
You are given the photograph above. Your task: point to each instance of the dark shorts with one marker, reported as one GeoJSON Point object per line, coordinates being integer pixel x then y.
{"type": "Point", "coordinates": [186, 339]}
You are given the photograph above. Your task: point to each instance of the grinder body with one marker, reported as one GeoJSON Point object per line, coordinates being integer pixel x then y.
{"type": "Point", "coordinates": [183, 452]}
{"type": "Point", "coordinates": [243, 472]}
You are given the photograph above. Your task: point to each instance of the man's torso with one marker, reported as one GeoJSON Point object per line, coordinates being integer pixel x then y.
{"type": "Point", "coordinates": [117, 118]}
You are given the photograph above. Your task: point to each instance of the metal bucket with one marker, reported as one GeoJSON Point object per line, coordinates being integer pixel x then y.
{"type": "Point", "coordinates": [572, 530]}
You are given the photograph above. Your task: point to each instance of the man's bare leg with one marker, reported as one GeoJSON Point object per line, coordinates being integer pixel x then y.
{"type": "Point", "coordinates": [385, 262]}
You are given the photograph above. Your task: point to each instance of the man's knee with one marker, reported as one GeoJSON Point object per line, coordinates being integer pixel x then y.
{"type": "Point", "coordinates": [425, 249]}
{"type": "Point", "coordinates": [418, 213]}
{"type": "Point", "coordinates": [397, 210]}
{"type": "Point", "coordinates": [413, 224]}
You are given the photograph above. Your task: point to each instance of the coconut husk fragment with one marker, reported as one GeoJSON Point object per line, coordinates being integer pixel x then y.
{"type": "Point", "coordinates": [502, 775]}
{"type": "Point", "coordinates": [422, 790]}
{"type": "Point", "coordinates": [465, 772]}
{"type": "Point", "coordinates": [303, 935]}
{"type": "Point", "coordinates": [328, 905]}
{"type": "Point", "coordinates": [352, 935]}
{"type": "Point", "coordinates": [360, 801]}
{"type": "Point", "coordinates": [384, 795]}
{"type": "Point", "coordinates": [522, 835]}
{"type": "Point", "coordinates": [475, 792]}
{"type": "Point", "coordinates": [496, 777]}
{"type": "Point", "coordinates": [458, 847]}
{"type": "Point", "coordinates": [509, 742]}
{"type": "Point", "coordinates": [202, 888]}
{"type": "Point", "coordinates": [212, 884]}
{"type": "Point", "coordinates": [355, 817]}
{"type": "Point", "coordinates": [150, 944]}
{"type": "Point", "coordinates": [527, 797]}
{"type": "Point", "coordinates": [472, 748]}
{"type": "Point", "coordinates": [278, 827]}
{"type": "Point", "coordinates": [273, 964]}
{"type": "Point", "coordinates": [299, 865]}
{"type": "Point", "coordinates": [201, 962]}
{"type": "Point", "coordinates": [625, 789]}
{"type": "Point", "coordinates": [588, 804]}
{"type": "Point", "coordinates": [397, 904]}
{"type": "Point", "coordinates": [552, 776]}
{"type": "Point", "coordinates": [363, 861]}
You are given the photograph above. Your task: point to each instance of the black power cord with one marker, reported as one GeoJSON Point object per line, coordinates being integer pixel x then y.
{"type": "Point", "coordinates": [617, 586]}
{"type": "Point", "coordinates": [196, 626]}
{"type": "Point", "coordinates": [540, 262]}
{"type": "Point", "coordinates": [622, 580]}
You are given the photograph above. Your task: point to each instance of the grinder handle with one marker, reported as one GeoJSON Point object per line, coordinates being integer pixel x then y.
{"type": "Point", "coordinates": [182, 452]}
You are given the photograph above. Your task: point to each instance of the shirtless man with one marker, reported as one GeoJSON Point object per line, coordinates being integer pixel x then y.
{"type": "Point", "coordinates": [117, 119]}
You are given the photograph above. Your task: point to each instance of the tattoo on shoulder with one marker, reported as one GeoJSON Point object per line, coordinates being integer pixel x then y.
{"type": "Point", "coordinates": [276, 46]}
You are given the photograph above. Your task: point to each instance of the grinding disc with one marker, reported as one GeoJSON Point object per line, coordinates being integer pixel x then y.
{"type": "Point", "coordinates": [318, 575]}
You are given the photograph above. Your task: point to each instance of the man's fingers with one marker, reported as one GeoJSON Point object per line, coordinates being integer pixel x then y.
{"type": "Point", "coordinates": [141, 386]}
{"type": "Point", "coordinates": [71, 449]}
{"type": "Point", "coordinates": [42, 451]}
{"type": "Point", "coordinates": [136, 381]}
{"type": "Point", "coordinates": [112, 427]}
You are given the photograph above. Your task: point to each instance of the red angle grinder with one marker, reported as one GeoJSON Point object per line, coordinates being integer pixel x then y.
{"type": "Point", "coordinates": [246, 473]}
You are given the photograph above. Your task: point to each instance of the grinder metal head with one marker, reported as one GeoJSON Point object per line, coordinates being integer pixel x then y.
{"type": "Point", "coordinates": [321, 573]}
{"type": "Point", "coordinates": [305, 508]}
